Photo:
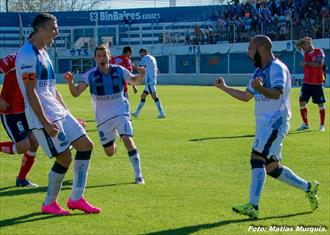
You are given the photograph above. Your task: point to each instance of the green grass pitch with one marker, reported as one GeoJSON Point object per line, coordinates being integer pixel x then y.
{"type": "Point", "coordinates": [195, 164]}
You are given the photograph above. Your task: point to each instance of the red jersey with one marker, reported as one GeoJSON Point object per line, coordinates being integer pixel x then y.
{"type": "Point", "coordinates": [10, 90]}
{"type": "Point", "coordinates": [313, 75]}
{"type": "Point", "coordinates": [126, 63]}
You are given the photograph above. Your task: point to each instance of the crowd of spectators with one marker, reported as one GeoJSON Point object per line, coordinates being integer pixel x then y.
{"type": "Point", "coordinates": [279, 19]}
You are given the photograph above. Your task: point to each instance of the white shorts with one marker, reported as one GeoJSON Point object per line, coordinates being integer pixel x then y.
{"type": "Point", "coordinates": [111, 129]}
{"type": "Point", "coordinates": [149, 89]}
{"type": "Point", "coordinates": [269, 136]}
{"type": "Point", "coordinates": [70, 131]}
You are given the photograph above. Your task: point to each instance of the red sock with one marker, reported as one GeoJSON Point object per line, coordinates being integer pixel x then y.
{"type": "Point", "coordinates": [27, 163]}
{"type": "Point", "coordinates": [322, 116]}
{"type": "Point", "coordinates": [303, 113]}
{"type": "Point", "coordinates": [7, 147]}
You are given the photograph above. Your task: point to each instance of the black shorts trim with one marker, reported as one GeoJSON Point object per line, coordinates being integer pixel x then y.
{"type": "Point", "coordinates": [113, 118]}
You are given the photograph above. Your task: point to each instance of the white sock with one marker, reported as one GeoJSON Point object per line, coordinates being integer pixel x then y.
{"type": "Point", "coordinates": [134, 158]}
{"type": "Point", "coordinates": [160, 108]}
{"type": "Point", "coordinates": [54, 186]}
{"type": "Point", "coordinates": [80, 172]}
{"type": "Point", "coordinates": [289, 177]}
{"type": "Point", "coordinates": [257, 183]}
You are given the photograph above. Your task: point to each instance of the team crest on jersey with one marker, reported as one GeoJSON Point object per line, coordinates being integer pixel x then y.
{"type": "Point", "coordinates": [62, 138]}
{"type": "Point", "coordinates": [313, 58]}
{"type": "Point", "coordinates": [102, 137]}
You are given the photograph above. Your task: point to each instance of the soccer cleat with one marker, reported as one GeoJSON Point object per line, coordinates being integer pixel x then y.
{"type": "Point", "coordinates": [136, 115]}
{"type": "Point", "coordinates": [303, 127]}
{"type": "Point", "coordinates": [25, 183]}
{"type": "Point", "coordinates": [83, 205]}
{"type": "Point", "coordinates": [161, 116]}
{"type": "Point", "coordinates": [246, 209]}
{"type": "Point", "coordinates": [139, 180]}
{"type": "Point", "coordinates": [322, 128]}
{"type": "Point", "coordinates": [312, 196]}
{"type": "Point", "coordinates": [54, 208]}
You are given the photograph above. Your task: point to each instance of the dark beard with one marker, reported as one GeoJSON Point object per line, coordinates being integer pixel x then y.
{"type": "Point", "coordinates": [257, 60]}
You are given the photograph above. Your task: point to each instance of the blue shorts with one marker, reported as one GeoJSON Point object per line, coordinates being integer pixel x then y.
{"type": "Point", "coordinates": [16, 126]}
{"type": "Point", "coordinates": [314, 91]}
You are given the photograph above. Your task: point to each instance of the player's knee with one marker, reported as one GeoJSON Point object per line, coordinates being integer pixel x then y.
{"type": "Point", "coordinates": [274, 172]}
{"type": "Point", "coordinates": [89, 145]}
{"type": "Point", "coordinates": [128, 142]}
{"type": "Point", "coordinates": [23, 145]}
{"type": "Point", "coordinates": [257, 161]}
{"type": "Point", "coordinates": [155, 99]}
{"type": "Point", "coordinates": [64, 158]}
{"type": "Point", "coordinates": [110, 151]}
{"type": "Point", "coordinates": [33, 146]}
{"type": "Point", "coordinates": [110, 148]}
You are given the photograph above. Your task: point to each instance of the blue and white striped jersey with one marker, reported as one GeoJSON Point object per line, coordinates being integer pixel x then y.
{"type": "Point", "coordinates": [30, 64]}
{"type": "Point", "coordinates": [274, 75]}
{"type": "Point", "coordinates": [107, 92]}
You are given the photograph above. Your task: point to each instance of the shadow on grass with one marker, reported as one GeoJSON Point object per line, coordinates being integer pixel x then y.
{"type": "Point", "coordinates": [245, 136]}
{"type": "Point", "coordinates": [300, 132]}
{"type": "Point", "coordinates": [32, 217]}
{"type": "Point", "coordinates": [21, 190]}
{"type": "Point", "coordinates": [66, 186]}
{"type": "Point", "coordinates": [222, 137]}
{"type": "Point", "coordinates": [109, 185]}
{"type": "Point", "coordinates": [196, 228]}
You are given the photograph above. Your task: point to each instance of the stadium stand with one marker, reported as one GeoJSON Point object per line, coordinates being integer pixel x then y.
{"type": "Point", "coordinates": [185, 40]}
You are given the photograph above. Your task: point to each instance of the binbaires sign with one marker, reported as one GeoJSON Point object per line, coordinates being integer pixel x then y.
{"type": "Point", "coordinates": [107, 16]}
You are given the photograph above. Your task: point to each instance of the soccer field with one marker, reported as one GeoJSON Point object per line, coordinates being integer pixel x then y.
{"type": "Point", "coordinates": [195, 164]}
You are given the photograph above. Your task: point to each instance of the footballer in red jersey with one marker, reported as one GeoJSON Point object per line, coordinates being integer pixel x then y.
{"type": "Point", "coordinates": [14, 122]}
{"type": "Point", "coordinates": [125, 61]}
{"type": "Point", "coordinates": [313, 80]}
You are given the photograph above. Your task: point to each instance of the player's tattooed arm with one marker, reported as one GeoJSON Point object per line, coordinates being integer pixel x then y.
{"type": "Point", "coordinates": [75, 89]}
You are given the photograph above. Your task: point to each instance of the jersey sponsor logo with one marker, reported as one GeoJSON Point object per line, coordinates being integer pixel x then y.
{"type": "Point", "coordinates": [108, 97]}
{"type": "Point", "coordinates": [261, 98]}
{"type": "Point", "coordinates": [29, 77]}
{"type": "Point", "coordinates": [43, 83]}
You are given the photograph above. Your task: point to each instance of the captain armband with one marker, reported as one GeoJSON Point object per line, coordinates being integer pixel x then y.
{"type": "Point", "coordinates": [29, 77]}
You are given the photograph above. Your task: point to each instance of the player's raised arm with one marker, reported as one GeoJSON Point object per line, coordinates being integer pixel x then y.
{"type": "Point", "coordinates": [137, 79]}
{"type": "Point", "coordinates": [238, 94]}
{"type": "Point", "coordinates": [75, 89]}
